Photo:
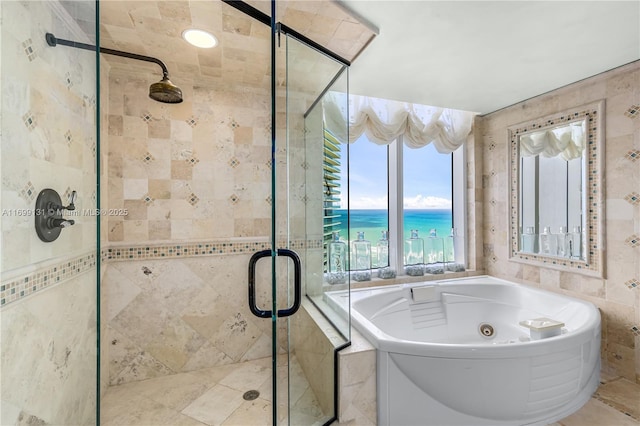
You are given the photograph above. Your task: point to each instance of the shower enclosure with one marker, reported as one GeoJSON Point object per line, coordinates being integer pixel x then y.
{"type": "Point", "coordinates": [142, 310]}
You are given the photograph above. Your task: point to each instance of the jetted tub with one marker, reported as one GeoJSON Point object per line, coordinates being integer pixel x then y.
{"type": "Point", "coordinates": [439, 363]}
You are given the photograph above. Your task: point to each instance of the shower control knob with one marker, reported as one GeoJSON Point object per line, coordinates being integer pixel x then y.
{"type": "Point", "coordinates": [49, 221]}
{"type": "Point", "coordinates": [72, 200]}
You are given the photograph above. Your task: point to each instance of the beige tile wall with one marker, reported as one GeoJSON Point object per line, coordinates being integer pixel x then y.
{"type": "Point", "coordinates": [49, 356]}
{"type": "Point", "coordinates": [618, 294]}
{"type": "Point", "coordinates": [196, 170]}
{"type": "Point", "coordinates": [49, 324]}
{"type": "Point", "coordinates": [175, 315]}
{"type": "Point", "coordinates": [48, 132]}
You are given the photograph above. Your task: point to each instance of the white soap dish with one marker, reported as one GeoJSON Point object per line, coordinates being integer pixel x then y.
{"type": "Point", "coordinates": [542, 328]}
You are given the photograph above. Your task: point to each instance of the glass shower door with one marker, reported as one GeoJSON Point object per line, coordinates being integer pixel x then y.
{"type": "Point", "coordinates": [305, 385]}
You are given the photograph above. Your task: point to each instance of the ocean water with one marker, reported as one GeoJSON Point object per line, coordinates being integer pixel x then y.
{"type": "Point", "coordinates": [372, 222]}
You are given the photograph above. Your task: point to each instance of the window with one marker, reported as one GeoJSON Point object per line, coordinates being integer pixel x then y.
{"type": "Point", "coordinates": [393, 187]}
{"type": "Point", "coordinates": [427, 204]}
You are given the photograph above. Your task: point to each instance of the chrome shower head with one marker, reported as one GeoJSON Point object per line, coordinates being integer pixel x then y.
{"type": "Point", "coordinates": [165, 91]}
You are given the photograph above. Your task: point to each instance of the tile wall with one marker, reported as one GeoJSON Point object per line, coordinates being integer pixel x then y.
{"type": "Point", "coordinates": [48, 132]}
{"type": "Point", "coordinates": [169, 316]}
{"type": "Point", "coordinates": [196, 170]}
{"type": "Point", "coordinates": [47, 294]}
{"type": "Point", "coordinates": [618, 294]}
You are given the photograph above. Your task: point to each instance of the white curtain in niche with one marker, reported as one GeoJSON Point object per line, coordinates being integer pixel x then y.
{"type": "Point", "coordinates": [567, 142]}
{"type": "Point", "coordinates": [384, 120]}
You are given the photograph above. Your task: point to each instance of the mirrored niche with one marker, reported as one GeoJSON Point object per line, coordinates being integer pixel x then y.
{"type": "Point", "coordinates": [557, 198]}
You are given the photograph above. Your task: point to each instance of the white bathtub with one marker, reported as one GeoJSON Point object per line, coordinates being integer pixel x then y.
{"type": "Point", "coordinates": [436, 368]}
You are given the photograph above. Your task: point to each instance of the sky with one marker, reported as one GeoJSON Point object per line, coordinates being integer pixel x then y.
{"type": "Point", "coordinates": [427, 177]}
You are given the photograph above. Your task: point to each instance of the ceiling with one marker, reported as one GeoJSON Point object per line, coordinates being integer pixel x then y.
{"type": "Point", "coordinates": [485, 55]}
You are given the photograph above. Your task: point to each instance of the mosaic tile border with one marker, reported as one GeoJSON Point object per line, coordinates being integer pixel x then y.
{"type": "Point", "coordinates": [592, 113]}
{"type": "Point", "coordinates": [211, 248]}
{"type": "Point", "coordinates": [23, 285]}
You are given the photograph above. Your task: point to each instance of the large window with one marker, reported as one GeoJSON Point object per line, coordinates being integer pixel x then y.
{"type": "Point", "coordinates": [393, 190]}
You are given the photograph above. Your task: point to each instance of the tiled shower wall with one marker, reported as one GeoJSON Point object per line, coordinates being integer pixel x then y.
{"type": "Point", "coordinates": [197, 170]}
{"type": "Point", "coordinates": [618, 294]}
{"type": "Point", "coordinates": [48, 290]}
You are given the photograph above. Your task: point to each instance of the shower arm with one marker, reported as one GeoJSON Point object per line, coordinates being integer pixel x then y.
{"type": "Point", "coordinates": [54, 41]}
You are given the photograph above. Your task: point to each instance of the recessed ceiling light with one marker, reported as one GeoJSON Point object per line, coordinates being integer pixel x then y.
{"type": "Point", "coordinates": [200, 38]}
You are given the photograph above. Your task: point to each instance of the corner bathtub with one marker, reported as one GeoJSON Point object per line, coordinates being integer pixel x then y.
{"type": "Point", "coordinates": [435, 367]}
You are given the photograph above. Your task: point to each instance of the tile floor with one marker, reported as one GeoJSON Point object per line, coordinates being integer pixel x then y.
{"type": "Point", "coordinates": [616, 403]}
{"type": "Point", "coordinates": [213, 396]}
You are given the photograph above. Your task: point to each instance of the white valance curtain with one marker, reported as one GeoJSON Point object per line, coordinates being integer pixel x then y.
{"type": "Point", "coordinates": [383, 121]}
{"type": "Point", "coordinates": [567, 142]}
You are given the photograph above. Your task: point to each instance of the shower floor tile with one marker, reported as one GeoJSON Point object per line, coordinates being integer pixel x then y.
{"type": "Point", "coordinates": [211, 396]}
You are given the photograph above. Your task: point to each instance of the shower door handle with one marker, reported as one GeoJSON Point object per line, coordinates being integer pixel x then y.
{"type": "Point", "coordinates": [252, 284]}
{"type": "Point", "coordinates": [297, 279]}
{"type": "Point", "coordinates": [297, 282]}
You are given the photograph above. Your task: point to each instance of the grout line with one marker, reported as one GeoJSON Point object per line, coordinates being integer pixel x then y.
{"type": "Point", "coordinates": [617, 408]}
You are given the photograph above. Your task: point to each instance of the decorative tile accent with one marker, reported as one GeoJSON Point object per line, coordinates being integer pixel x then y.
{"type": "Point", "coordinates": [633, 198]}
{"type": "Point", "coordinates": [29, 120]}
{"type": "Point", "coordinates": [28, 192]}
{"type": "Point", "coordinates": [192, 121]}
{"type": "Point", "coordinates": [89, 100]}
{"type": "Point", "coordinates": [304, 165]}
{"type": "Point", "coordinates": [234, 162]}
{"type": "Point", "coordinates": [493, 229]}
{"type": "Point", "coordinates": [492, 146]}
{"type": "Point", "coordinates": [633, 111]}
{"type": "Point", "coordinates": [633, 283]}
{"type": "Point", "coordinates": [146, 117]}
{"type": "Point", "coordinates": [633, 241]}
{"type": "Point", "coordinates": [193, 199]}
{"type": "Point", "coordinates": [21, 286]}
{"type": "Point", "coordinates": [633, 155]}
{"type": "Point", "coordinates": [233, 124]}
{"type": "Point", "coordinates": [148, 200]}
{"type": "Point", "coordinates": [268, 163]}
{"type": "Point", "coordinates": [94, 198]}
{"type": "Point", "coordinates": [92, 147]}
{"type": "Point", "coordinates": [147, 158]}
{"type": "Point", "coordinates": [67, 80]}
{"type": "Point", "coordinates": [207, 248]}
{"type": "Point", "coordinates": [269, 200]}
{"type": "Point", "coordinates": [635, 330]}
{"type": "Point", "coordinates": [234, 199]}
{"type": "Point", "coordinates": [192, 161]}
{"type": "Point", "coordinates": [493, 202]}
{"type": "Point", "coordinates": [68, 137]}
{"type": "Point", "coordinates": [27, 45]}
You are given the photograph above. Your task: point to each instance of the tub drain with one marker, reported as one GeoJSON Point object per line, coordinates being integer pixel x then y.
{"type": "Point", "coordinates": [251, 395]}
{"type": "Point", "coordinates": [486, 330]}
